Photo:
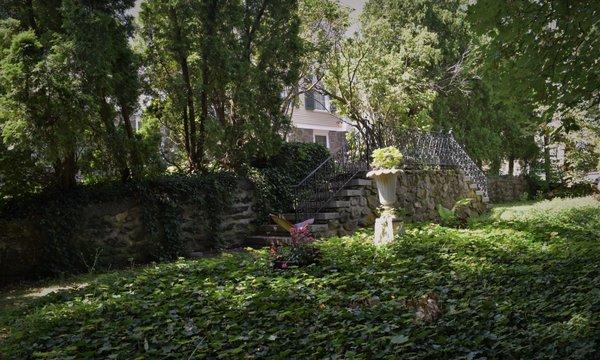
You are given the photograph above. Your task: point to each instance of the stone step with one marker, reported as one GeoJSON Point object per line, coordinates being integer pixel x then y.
{"type": "Point", "coordinates": [257, 241]}
{"type": "Point", "coordinates": [485, 199]}
{"type": "Point", "coordinates": [333, 204]}
{"type": "Point", "coordinates": [359, 182]}
{"type": "Point", "coordinates": [341, 194]}
{"type": "Point", "coordinates": [322, 216]}
{"type": "Point", "coordinates": [479, 192]}
{"type": "Point", "coordinates": [473, 186]}
{"type": "Point", "coordinates": [277, 230]}
{"type": "Point", "coordinates": [350, 193]}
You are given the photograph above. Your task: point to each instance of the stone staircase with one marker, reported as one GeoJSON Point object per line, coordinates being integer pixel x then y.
{"type": "Point", "coordinates": [338, 218]}
{"type": "Point", "coordinates": [327, 220]}
{"type": "Point", "coordinates": [339, 198]}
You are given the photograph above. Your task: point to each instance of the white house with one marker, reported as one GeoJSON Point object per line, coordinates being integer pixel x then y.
{"type": "Point", "coordinates": [314, 119]}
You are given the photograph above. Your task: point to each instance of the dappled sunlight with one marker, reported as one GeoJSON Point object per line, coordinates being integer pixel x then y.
{"type": "Point", "coordinates": [499, 288]}
{"type": "Point", "coordinates": [537, 209]}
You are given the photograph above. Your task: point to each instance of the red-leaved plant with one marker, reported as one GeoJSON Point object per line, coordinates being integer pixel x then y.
{"type": "Point", "coordinates": [299, 251]}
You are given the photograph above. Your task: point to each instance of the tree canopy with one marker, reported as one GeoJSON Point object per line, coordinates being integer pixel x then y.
{"type": "Point", "coordinates": [215, 83]}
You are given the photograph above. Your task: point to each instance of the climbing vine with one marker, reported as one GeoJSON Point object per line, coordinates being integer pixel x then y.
{"type": "Point", "coordinates": [56, 219]}
{"type": "Point", "coordinates": [275, 178]}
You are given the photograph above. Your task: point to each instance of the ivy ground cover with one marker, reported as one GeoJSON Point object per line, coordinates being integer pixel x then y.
{"type": "Point", "coordinates": [524, 282]}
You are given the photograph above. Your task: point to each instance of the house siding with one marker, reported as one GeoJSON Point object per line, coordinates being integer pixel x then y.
{"type": "Point", "coordinates": [302, 135]}
{"type": "Point", "coordinates": [307, 123]}
{"type": "Point", "coordinates": [303, 118]}
{"type": "Point", "coordinates": [336, 140]}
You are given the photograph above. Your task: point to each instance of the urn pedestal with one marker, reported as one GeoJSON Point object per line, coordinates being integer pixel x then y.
{"type": "Point", "coordinates": [387, 225]}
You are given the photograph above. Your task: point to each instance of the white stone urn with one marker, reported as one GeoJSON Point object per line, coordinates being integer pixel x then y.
{"type": "Point", "coordinates": [386, 186]}
{"type": "Point", "coordinates": [387, 225]}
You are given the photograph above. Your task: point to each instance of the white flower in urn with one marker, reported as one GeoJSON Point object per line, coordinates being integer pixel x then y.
{"type": "Point", "coordinates": [386, 158]}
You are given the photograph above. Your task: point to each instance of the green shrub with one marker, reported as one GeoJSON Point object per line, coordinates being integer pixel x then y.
{"type": "Point", "coordinates": [387, 158]}
{"type": "Point", "coordinates": [578, 189]}
{"type": "Point", "coordinates": [450, 217]}
{"type": "Point", "coordinates": [560, 186]}
{"type": "Point", "coordinates": [275, 178]}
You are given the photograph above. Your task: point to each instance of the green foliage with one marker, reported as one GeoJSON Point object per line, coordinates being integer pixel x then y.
{"type": "Point", "coordinates": [68, 87]}
{"type": "Point", "coordinates": [450, 217]}
{"type": "Point", "coordinates": [540, 57]}
{"type": "Point", "coordinates": [274, 178]}
{"type": "Point", "coordinates": [573, 190]}
{"type": "Point", "coordinates": [386, 158]}
{"type": "Point", "coordinates": [519, 284]}
{"type": "Point", "coordinates": [546, 48]}
{"type": "Point", "coordinates": [387, 78]}
{"type": "Point", "coordinates": [286, 257]}
{"type": "Point", "coordinates": [215, 71]}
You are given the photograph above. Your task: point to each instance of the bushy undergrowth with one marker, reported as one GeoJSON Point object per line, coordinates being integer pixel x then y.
{"type": "Point", "coordinates": [276, 177]}
{"type": "Point", "coordinates": [519, 286]}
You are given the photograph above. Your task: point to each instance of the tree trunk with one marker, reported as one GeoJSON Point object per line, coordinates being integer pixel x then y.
{"type": "Point", "coordinates": [31, 16]}
{"type": "Point", "coordinates": [203, 115]}
{"type": "Point", "coordinates": [495, 167]}
{"type": "Point", "coordinates": [65, 171]}
{"type": "Point", "coordinates": [136, 159]}
{"type": "Point", "coordinates": [511, 165]}
{"type": "Point", "coordinates": [186, 134]}
{"type": "Point", "coordinates": [547, 163]}
{"type": "Point", "coordinates": [209, 28]}
{"type": "Point", "coordinates": [182, 59]}
{"type": "Point", "coordinates": [112, 139]}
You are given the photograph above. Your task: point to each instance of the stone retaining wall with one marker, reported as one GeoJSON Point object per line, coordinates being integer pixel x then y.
{"type": "Point", "coordinates": [418, 191]}
{"type": "Point", "coordinates": [115, 232]}
{"type": "Point", "coordinates": [506, 188]}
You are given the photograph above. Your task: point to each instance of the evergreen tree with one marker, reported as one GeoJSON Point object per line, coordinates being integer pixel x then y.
{"type": "Point", "coordinates": [216, 71]}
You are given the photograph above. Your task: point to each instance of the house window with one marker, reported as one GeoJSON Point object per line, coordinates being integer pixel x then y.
{"type": "Point", "coordinates": [314, 100]}
{"type": "Point", "coordinates": [322, 140]}
{"type": "Point", "coordinates": [320, 102]}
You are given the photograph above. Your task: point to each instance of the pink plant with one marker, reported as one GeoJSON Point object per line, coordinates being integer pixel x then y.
{"type": "Point", "coordinates": [301, 235]}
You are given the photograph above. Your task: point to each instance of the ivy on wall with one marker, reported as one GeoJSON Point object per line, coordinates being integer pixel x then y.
{"type": "Point", "coordinates": [55, 221]}
{"type": "Point", "coordinates": [58, 219]}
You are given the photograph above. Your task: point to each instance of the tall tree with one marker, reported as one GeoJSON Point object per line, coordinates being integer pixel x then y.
{"type": "Point", "coordinates": [549, 46]}
{"type": "Point", "coordinates": [99, 33]}
{"type": "Point", "coordinates": [548, 51]}
{"type": "Point", "coordinates": [215, 72]}
{"type": "Point", "coordinates": [66, 69]}
{"type": "Point", "coordinates": [386, 78]}
{"type": "Point", "coordinates": [40, 103]}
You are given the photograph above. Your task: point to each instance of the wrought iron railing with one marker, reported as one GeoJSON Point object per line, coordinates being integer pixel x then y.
{"type": "Point", "coordinates": [462, 161]}
{"type": "Point", "coordinates": [319, 188]}
{"type": "Point", "coordinates": [425, 149]}
{"type": "Point", "coordinates": [420, 149]}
